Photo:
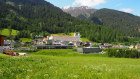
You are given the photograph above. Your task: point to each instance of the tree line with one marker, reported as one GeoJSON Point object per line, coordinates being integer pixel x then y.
{"type": "Point", "coordinates": [125, 23]}
{"type": "Point", "coordinates": [123, 53]}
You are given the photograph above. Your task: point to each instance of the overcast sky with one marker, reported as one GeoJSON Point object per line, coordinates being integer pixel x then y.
{"type": "Point", "coordinates": [130, 6]}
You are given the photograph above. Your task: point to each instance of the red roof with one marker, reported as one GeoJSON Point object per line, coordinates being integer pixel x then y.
{"type": "Point", "coordinates": [73, 40]}
{"type": "Point", "coordinates": [45, 39]}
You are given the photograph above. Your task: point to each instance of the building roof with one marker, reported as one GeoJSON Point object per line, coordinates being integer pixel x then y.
{"type": "Point", "coordinates": [138, 44]}
{"type": "Point", "coordinates": [61, 36]}
{"type": "Point", "coordinates": [45, 39]}
{"type": "Point", "coordinates": [73, 40]}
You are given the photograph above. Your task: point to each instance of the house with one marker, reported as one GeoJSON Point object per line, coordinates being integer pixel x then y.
{"type": "Point", "coordinates": [76, 37]}
{"type": "Point", "coordinates": [47, 41]}
{"type": "Point", "coordinates": [9, 43]}
{"type": "Point", "coordinates": [106, 46]}
{"type": "Point", "coordinates": [78, 44]}
{"type": "Point", "coordinates": [39, 37]}
{"type": "Point", "coordinates": [65, 39]}
{"type": "Point", "coordinates": [131, 47]}
{"type": "Point", "coordinates": [123, 46]}
{"type": "Point", "coordinates": [2, 44]}
{"type": "Point", "coordinates": [138, 46]}
{"type": "Point", "coordinates": [86, 44]}
{"type": "Point", "coordinates": [39, 42]}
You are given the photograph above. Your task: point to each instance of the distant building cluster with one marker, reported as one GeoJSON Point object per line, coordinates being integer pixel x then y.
{"type": "Point", "coordinates": [60, 40]}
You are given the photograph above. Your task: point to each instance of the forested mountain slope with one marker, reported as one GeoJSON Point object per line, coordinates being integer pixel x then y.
{"type": "Point", "coordinates": [123, 22]}
{"type": "Point", "coordinates": [37, 16]}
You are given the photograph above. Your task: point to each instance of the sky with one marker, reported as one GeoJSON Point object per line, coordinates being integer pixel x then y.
{"type": "Point", "coordinates": [129, 6]}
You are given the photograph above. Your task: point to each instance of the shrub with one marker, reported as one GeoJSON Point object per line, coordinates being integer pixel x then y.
{"type": "Point", "coordinates": [126, 53]}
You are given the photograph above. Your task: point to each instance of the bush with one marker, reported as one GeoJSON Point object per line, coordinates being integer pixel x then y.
{"type": "Point", "coordinates": [126, 53]}
{"type": "Point", "coordinates": [29, 50]}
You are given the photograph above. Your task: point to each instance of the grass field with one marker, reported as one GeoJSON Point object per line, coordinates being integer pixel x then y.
{"type": "Point", "coordinates": [6, 32]}
{"type": "Point", "coordinates": [67, 64]}
{"type": "Point", "coordinates": [25, 39]}
{"type": "Point", "coordinates": [85, 40]}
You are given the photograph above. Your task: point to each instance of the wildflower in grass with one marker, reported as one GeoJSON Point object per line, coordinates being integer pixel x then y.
{"type": "Point", "coordinates": [27, 77]}
{"type": "Point", "coordinates": [85, 66]}
{"type": "Point", "coordinates": [75, 76]}
{"type": "Point", "coordinates": [110, 70]}
{"type": "Point", "coordinates": [29, 70]}
{"type": "Point", "coordinates": [46, 75]}
{"type": "Point", "coordinates": [103, 64]}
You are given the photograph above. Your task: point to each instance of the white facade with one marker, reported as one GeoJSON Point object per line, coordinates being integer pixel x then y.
{"type": "Point", "coordinates": [3, 47]}
{"type": "Point", "coordinates": [63, 38]}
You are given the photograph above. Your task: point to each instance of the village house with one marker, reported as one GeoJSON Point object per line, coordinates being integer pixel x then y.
{"type": "Point", "coordinates": [131, 47]}
{"type": "Point", "coordinates": [38, 42]}
{"type": "Point", "coordinates": [105, 46]}
{"type": "Point", "coordinates": [47, 41]}
{"type": "Point", "coordinates": [65, 39]}
{"type": "Point", "coordinates": [39, 37]}
{"type": "Point", "coordinates": [138, 46]}
{"type": "Point", "coordinates": [9, 43]}
{"type": "Point", "coordinates": [76, 37]}
{"type": "Point", "coordinates": [2, 44]}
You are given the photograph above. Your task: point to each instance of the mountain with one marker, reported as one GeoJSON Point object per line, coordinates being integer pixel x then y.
{"type": "Point", "coordinates": [82, 12]}
{"type": "Point", "coordinates": [38, 17]}
{"type": "Point", "coordinates": [126, 23]}
{"type": "Point", "coordinates": [122, 22]}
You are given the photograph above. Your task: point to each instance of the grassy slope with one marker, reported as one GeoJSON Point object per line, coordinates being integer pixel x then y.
{"type": "Point", "coordinates": [7, 33]}
{"type": "Point", "coordinates": [25, 39]}
{"type": "Point", "coordinates": [85, 40]}
{"type": "Point", "coordinates": [68, 64]}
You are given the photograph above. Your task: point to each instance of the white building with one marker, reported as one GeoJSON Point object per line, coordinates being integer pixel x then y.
{"type": "Point", "coordinates": [131, 47]}
{"type": "Point", "coordinates": [137, 47]}
{"type": "Point", "coordinates": [76, 37]}
{"type": "Point", "coordinates": [59, 39]}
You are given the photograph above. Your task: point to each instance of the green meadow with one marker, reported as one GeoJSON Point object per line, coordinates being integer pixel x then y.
{"type": "Point", "coordinates": [67, 64]}
{"type": "Point", "coordinates": [25, 39]}
{"type": "Point", "coordinates": [6, 32]}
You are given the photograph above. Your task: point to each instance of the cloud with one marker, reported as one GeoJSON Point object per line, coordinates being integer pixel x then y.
{"type": "Point", "coordinates": [128, 10]}
{"type": "Point", "coordinates": [89, 3]}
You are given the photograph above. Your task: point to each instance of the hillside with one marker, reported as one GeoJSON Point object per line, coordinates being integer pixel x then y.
{"type": "Point", "coordinates": [40, 17]}
{"type": "Point", "coordinates": [123, 22]}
